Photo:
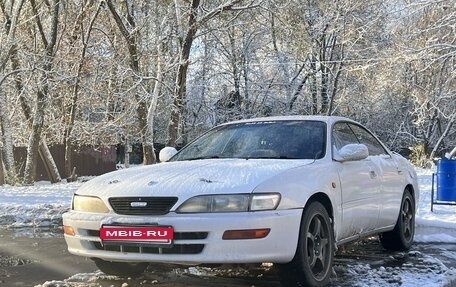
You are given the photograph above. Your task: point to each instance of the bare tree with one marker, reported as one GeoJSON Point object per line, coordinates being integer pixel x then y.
{"type": "Point", "coordinates": [187, 34]}
{"type": "Point", "coordinates": [44, 153]}
{"type": "Point", "coordinates": [11, 21]}
{"type": "Point", "coordinates": [429, 61]}
{"type": "Point", "coordinates": [42, 94]}
{"type": "Point", "coordinates": [131, 38]}
{"type": "Point", "coordinates": [70, 113]}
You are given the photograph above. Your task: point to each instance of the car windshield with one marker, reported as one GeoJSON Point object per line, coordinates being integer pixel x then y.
{"type": "Point", "coordinates": [268, 139]}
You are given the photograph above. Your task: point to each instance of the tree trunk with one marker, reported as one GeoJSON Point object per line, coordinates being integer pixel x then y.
{"type": "Point", "coordinates": [313, 85]}
{"type": "Point", "coordinates": [10, 29]}
{"type": "Point", "coordinates": [297, 92]}
{"type": "Point", "coordinates": [329, 47]}
{"type": "Point", "coordinates": [141, 106]}
{"type": "Point", "coordinates": [2, 174]}
{"type": "Point", "coordinates": [443, 136]}
{"type": "Point", "coordinates": [324, 77]}
{"type": "Point", "coordinates": [181, 78]}
{"type": "Point", "coordinates": [48, 161]}
{"type": "Point", "coordinates": [234, 65]}
{"type": "Point", "coordinates": [148, 149]}
{"type": "Point", "coordinates": [127, 151]}
{"type": "Point", "coordinates": [35, 135]}
{"type": "Point", "coordinates": [155, 95]}
{"type": "Point", "coordinates": [10, 172]}
{"type": "Point", "coordinates": [42, 93]}
{"type": "Point", "coordinates": [334, 90]}
{"type": "Point", "coordinates": [44, 153]}
{"type": "Point", "coordinates": [71, 110]}
{"type": "Point", "coordinates": [68, 158]}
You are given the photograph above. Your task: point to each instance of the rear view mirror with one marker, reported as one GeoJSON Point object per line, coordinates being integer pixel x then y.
{"type": "Point", "coordinates": [351, 152]}
{"type": "Point", "coordinates": [166, 153]}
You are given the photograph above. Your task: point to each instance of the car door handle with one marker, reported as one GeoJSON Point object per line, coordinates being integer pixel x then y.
{"type": "Point", "coordinates": [373, 174]}
{"type": "Point", "coordinates": [399, 171]}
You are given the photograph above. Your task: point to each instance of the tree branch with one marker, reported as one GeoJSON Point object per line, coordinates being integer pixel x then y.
{"type": "Point", "coordinates": [38, 23]}
{"type": "Point", "coordinates": [12, 73]}
{"type": "Point", "coordinates": [11, 31]}
{"type": "Point", "coordinates": [123, 30]}
{"type": "Point", "coordinates": [222, 8]}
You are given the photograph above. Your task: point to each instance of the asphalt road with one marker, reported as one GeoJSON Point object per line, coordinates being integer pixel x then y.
{"type": "Point", "coordinates": [28, 261]}
{"type": "Point", "coordinates": [42, 259]}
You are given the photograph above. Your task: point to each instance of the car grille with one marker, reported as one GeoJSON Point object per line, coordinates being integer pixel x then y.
{"type": "Point", "coordinates": [175, 249]}
{"type": "Point", "coordinates": [153, 205]}
{"type": "Point", "coordinates": [147, 249]}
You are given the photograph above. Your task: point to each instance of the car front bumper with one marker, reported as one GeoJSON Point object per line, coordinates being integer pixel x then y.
{"type": "Point", "coordinates": [198, 237]}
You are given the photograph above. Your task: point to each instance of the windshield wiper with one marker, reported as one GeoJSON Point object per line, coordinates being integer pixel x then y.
{"type": "Point", "coordinates": [272, 157]}
{"type": "Point", "coordinates": [203, 157]}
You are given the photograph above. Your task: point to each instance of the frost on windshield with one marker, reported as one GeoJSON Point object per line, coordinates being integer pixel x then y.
{"type": "Point", "coordinates": [280, 139]}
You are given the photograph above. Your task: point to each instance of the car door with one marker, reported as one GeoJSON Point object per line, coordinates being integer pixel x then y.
{"type": "Point", "coordinates": [360, 187]}
{"type": "Point", "coordinates": [391, 185]}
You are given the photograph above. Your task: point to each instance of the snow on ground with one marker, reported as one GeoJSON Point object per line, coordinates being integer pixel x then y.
{"type": "Point", "coordinates": [80, 280]}
{"type": "Point", "coordinates": [38, 205]}
{"type": "Point", "coordinates": [437, 226]}
{"type": "Point", "coordinates": [419, 270]}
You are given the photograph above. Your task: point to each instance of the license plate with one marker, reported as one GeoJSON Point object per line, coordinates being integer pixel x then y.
{"type": "Point", "coordinates": [142, 234]}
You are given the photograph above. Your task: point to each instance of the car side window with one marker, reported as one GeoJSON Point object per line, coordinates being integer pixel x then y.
{"type": "Point", "coordinates": [366, 138]}
{"type": "Point", "coordinates": [342, 135]}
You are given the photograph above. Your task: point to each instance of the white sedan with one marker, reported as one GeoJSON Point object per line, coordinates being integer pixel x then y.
{"type": "Point", "coordinates": [286, 190]}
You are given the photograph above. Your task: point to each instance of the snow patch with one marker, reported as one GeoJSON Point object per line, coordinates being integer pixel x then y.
{"type": "Point", "coordinates": [80, 280]}
{"type": "Point", "coordinates": [437, 226]}
{"type": "Point", "coordinates": [428, 271]}
{"type": "Point", "coordinates": [38, 205]}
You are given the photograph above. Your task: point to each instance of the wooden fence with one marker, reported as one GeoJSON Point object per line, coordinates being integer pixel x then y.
{"type": "Point", "coordinates": [87, 160]}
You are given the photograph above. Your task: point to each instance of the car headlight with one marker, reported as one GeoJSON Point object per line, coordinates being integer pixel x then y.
{"type": "Point", "coordinates": [89, 204]}
{"type": "Point", "coordinates": [267, 201]}
{"type": "Point", "coordinates": [230, 203]}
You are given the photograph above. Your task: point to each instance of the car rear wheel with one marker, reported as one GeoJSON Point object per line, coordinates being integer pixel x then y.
{"type": "Point", "coordinates": [121, 269]}
{"type": "Point", "coordinates": [401, 237]}
{"type": "Point", "coordinates": [314, 256]}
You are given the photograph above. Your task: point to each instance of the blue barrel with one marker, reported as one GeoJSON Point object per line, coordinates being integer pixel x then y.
{"type": "Point", "coordinates": [446, 180]}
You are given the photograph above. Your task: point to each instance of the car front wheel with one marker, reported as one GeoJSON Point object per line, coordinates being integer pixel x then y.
{"type": "Point", "coordinates": [401, 237]}
{"type": "Point", "coordinates": [121, 269]}
{"type": "Point", "coordinates": [314, 256]}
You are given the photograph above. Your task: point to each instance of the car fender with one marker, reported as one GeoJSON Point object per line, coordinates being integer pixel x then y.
{"type": "Point", "coordinates": [298, 185]}
{"type": "Point", "coordinates": [408, 179]}
{"type": "Point", "coordinates": [410, 176]}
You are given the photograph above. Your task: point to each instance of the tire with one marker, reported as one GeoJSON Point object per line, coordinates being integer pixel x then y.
{"type": "Point", "coordinates": [121, 269]}
{"type": "Point", "coordinates": [312, 263]}
{"type": "Point", "coordinates": [401, 237]}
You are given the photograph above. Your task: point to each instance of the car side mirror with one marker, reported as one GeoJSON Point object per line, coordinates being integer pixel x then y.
{"type": "Point", "coordinates": [351, 152]}
{"type": "Point", "coordinates": [166, 153]}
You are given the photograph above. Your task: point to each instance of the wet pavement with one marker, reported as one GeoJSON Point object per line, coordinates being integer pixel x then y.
{"type": "Point", "coordinates": [39, 258]}
{"type": "Point", "coordinates": [28, 258]}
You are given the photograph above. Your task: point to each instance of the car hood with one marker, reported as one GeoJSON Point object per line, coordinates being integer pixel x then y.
{"type": "Point", "coordinates": [188, 178]}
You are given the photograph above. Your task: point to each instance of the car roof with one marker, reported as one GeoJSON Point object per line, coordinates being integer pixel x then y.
{"type": "Point", "coordinates": [326, 119]}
